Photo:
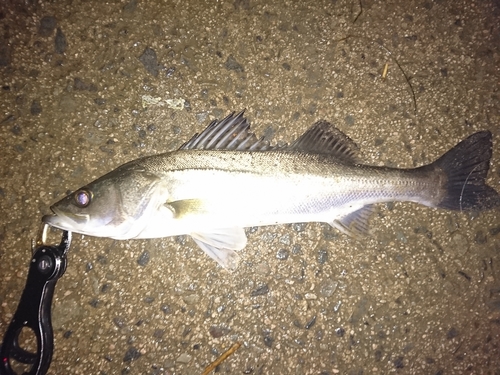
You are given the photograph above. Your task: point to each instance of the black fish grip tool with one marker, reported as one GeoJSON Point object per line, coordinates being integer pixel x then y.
{"type": "Point", "coordinates": [47, 265]}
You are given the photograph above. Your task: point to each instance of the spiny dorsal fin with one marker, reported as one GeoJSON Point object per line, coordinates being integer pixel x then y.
{"type": "Point", "coordinates": [231, 133]}
{"type": "Point", "coordinates": [324, 138]}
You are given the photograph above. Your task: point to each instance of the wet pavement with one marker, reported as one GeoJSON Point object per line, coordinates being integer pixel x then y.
{"type": "Point", "coordinates": [89, 85]}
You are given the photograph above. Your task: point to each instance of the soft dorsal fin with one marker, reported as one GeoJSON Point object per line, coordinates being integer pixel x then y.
{"type": "Point", "coordinates": [324, 138]}
{"type": "Point", "coordinates": [231, 133]}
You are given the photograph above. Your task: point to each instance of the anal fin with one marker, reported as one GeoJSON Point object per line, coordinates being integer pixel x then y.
{"type": "Point", "coordinates": [355, 224]}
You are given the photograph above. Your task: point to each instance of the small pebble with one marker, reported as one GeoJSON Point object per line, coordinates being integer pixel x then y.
{"type": "Point", "coordinates": [268, 341]}
{"type": "Point", "coordinates": [130, 7]}
{"type": "Point", "coordinates": [47, 26]}
{"type": "Point", "coordinates": [310, 296]}
{"type": "Point", "coordinates": [480, 237]}
{"type": "Point", "coordinates": [232, 64]}
{"type": "Point", "coordinates": [35, 108]}
{"type": "Point", "coordinates": [398, 362]}
{"type": "Point", "coordinates": [119, 322]}
{"type": "Point", "coordinates": [131, 355]}
{"type": "Point", "coordinates": [184, 358]}
{"type": "Point", "coordinates": [105, 287]}
{"type": "Point", "coordinates": [170, 71]}
{"type": "Point", "coordinates": [296, 249]}
{"type": "Point", "coordinates": [148, 299]}
{"type": "Point", "coordinates": [158, 333]}
{"type": "Point", "coordinates": [328, 287]}
{"type": "Point", "coordinates": [263, 268]}
{"type": "Point", "coordinates": [201, 117]}
{"type": "Point", "coordinates": [218, 331]}
{"type": "Point", "coordinates": [299, 227]}
{"type": "Point", "coordinates": [340, 332]}
{"type": "Point", "coordinates": [5, 55]}
{"type": "Point", "coordinates": [150, 61]}
{"type": "Point", "coordinates": [452, 333]}
{"type": "Point", "coordinates": [322, 256]}
{"type": "Point", "coordinates": [349, 120]}
{"type": "Point", "coordinates": [494, 231]}
{"type": "Point", "coordinates": [310, 323]}
{"type": "Point", "coordinates": [191, 299]}
{"type": "Point", "coordinates": [285, 239]}
{"type": "Point", "coordinates": [143, 258]}
{"type": "Point", "coordinates": [16, 130]}
{"type": "Point", "coordinates": [260, 291]}
{"type": "Point", "coordinates": [60, 43]}
{"type": "Point", "coordinates": [282, 254]}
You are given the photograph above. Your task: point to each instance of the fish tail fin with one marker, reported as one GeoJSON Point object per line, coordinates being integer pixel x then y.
{"type": "Point", "coordinates": [466, 167]}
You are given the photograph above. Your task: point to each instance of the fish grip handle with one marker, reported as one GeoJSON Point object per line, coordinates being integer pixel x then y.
{"type": "Point", "coordinates": [47, 265]}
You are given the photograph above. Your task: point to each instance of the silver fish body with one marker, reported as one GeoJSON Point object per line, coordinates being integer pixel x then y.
{"type": "Point", "coordinates": [225, 179]}
{"type": "Point", "coordinates": [274, 187]}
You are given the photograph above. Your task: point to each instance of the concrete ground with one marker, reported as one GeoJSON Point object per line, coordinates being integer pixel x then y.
{"type": "Point", "coordinates": [89, 85]}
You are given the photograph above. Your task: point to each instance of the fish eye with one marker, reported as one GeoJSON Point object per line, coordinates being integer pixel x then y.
{"type": "Point", "coordinates": [82, 198]}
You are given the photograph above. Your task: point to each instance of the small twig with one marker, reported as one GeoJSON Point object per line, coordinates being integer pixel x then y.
{"type": "Point", "coordinates": [404, 75]}
{"type": "Point", "coordinates": [407, 78]}
{"type": "Point", "coordinates": [219, 360]}
{"type": "Point", "coordinates": [384, 73]}
{"type": "Point", "coordinates": [360, 11]}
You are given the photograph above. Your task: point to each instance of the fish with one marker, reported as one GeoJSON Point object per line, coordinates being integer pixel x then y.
{"type": "Point", "coordinates": [225, 179]}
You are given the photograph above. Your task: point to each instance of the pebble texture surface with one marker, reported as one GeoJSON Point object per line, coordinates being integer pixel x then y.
{"type": "Point", "coordinates": [89, 85]}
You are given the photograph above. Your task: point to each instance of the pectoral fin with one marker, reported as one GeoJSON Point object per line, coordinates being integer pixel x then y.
{"type": "Point", "coordinates": [221, 245]}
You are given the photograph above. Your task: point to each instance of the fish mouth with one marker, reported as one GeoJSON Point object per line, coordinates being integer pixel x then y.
{"type": "Point", "coordinates": [49, 219]}
{"type": "Point", "coordinates": [64, 221]}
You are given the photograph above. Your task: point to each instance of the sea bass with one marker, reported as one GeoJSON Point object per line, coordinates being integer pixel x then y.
{"type": "Point", "coordinates": [225, 179]}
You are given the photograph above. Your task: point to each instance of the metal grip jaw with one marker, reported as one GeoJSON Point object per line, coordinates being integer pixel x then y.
{"type": "Point", "coordinates": [47, 265]}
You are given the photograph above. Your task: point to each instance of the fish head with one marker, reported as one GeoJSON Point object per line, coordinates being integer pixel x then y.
{"type": "Point", "coordinates": [117, 205]}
